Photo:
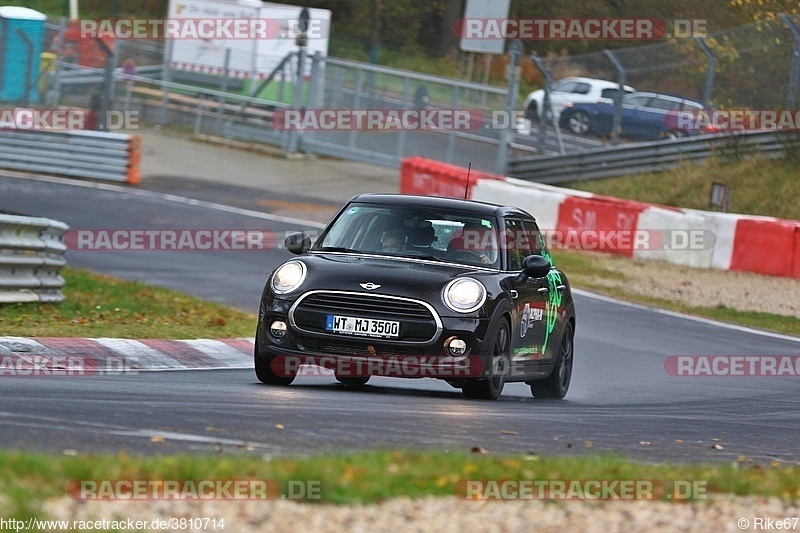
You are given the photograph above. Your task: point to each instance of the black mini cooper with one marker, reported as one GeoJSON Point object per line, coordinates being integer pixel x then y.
{"type": "Point", "coordinates": [418, 286]}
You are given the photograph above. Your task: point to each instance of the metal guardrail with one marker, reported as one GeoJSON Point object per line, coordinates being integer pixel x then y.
{"type": "Point", "coordinates": [651, 156]}
{"type": "Point", "coordinates": [83, 154]}
{"type": "Point", "coordinates": [31, 256]}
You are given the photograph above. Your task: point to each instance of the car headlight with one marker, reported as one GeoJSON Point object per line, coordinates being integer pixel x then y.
{"type": "Point", "coordinates": [288, 277]}
{"type": "Point", "coordinates": [464, 295]}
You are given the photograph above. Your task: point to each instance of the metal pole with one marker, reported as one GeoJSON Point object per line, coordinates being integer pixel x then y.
{"type": "Point", "coordinates": [547, 107]}
{"type": "Point", "coordinates": [795, 61]}
{"type": "Point", "coordinates": [297, 99]}
{"type": "Point", "coordinates": [223, 86]}
{"type": "Point", "coordinates": [166, 76]}
{"type": "Point", "coordinates": [400, 148]}
{"type": "Point", "coordinates": [615, 131]}
{"type": "Point", "coordinates": [315, 81]}
{"type": "Point", "coordinates": [108, 79]}
{"type": "Point", "coordinates": [28, 66]}
{"type": "Point", "coordinates": [198, 119]}
{"type": "Point", "coordinates": [712, 61]}
{"type": "Point", "coordinates": [514, 53]}
{"type": "Point", "coordinates": [55, 90]}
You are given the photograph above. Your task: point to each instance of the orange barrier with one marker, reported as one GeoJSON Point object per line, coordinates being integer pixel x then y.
{"type": "Point", "coordinates": [796, 260]}
{"type": "Point", "coordinates": [134, 160]}
{"type": "Point", "coordinates": [590, 217]}
{"type": "Point", "coordinates": [764, 246]}
{"type": "Point", "coordinates": [432, 178]}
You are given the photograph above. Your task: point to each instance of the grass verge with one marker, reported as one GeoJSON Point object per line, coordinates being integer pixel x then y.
{"type": "Point", "coordinates": [27, 479]}
{"type": "Point", "coordinates": [585, 273]}
{"type": "Point", "coordinates": [102, 306]}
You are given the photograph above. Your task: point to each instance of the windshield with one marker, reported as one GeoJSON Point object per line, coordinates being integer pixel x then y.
{"type": "Point", "coordinates": [450, 236]}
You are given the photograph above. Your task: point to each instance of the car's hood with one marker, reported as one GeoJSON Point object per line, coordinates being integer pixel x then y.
{"type": "Point", "coordinates": [415, 278]}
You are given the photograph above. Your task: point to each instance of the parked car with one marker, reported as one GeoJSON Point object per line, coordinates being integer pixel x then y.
{"type": "Point", "coordinates": [645, 116]}
{"type": "Point", "coordinates": [571, 91]}
{"type": "Point", "coordinates": [434, 287]}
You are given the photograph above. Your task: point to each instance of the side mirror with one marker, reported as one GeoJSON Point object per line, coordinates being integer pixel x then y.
{"type": "Point", "coordinates": [534, 266]}
{"type": "Point", "coordinates": [297, 243]}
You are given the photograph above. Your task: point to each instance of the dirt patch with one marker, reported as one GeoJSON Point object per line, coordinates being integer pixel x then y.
{"type": "Point", "coordinates": [743, 291]}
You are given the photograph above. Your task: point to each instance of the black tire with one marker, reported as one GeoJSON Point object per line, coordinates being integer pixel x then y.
{"type": "Point", "coordinates": [353, 382]}
{"type": "Point", "coordinates": [532, 113]}
{"type": "Point", "coordinates": [556, 386]}
{"type": "Point", "coordinates": [491, 387]}
{"type": "Point", "coordinates": [579, 122]}
{"type": "Point", "coordinates": [264, 371]}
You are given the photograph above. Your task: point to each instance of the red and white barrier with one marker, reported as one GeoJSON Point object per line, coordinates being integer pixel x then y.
{"type": "Point", "coordinates": [729, 241]}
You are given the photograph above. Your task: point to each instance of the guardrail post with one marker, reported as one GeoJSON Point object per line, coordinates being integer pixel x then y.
{"type": "Point", "coordinates": [617, 128]}
{"type": "Point", "coordinates": [547, 108]}
{"type": "Point", "coordinates": [712, 61]}
{"type": "Point", "coordinates": [198, 118]}
{"type": "Point", "coordinates": [400, 148]}
{"type": "Point", "coordinates": [790, 101]}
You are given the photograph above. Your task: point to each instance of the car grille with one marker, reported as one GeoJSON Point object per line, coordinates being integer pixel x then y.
{"type": "Point", "coordinates": [417, 322]}
{"type": "Point", "coordinates": [319, 345]}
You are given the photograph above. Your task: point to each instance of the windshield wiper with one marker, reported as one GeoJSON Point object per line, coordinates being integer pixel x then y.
{"type": "Point", "coordinates": [337, 249]}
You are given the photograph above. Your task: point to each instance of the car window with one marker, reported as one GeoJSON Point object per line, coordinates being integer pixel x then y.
{"type": "Point", "coordinates": [637, 100]}
{"type": "Point", "coordinates": [582, 88]}
{"type": "Point", "coordinates": [609, 93]}
{"type": "Point", "coordinates": [517, 243]}
{"type": "Point", "coordinates": [664, 104]}
{"type": "Point", "coordinates": [691, 106]}
{"type": "Point", "coordinates": [537, 240]}
{"type": "Point", "coordinates": [565, 87]}
{"type": "Point", "coordinates": [454, 236]}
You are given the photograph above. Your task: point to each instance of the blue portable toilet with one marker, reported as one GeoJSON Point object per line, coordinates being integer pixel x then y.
{"type": "Point", "coordinates": [21, 42]}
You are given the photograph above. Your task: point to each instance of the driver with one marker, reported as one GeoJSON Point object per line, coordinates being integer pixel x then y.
{"type": "Point", "coordinates": [393, 241]}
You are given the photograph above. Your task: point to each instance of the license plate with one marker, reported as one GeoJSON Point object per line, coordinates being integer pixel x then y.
{"type": "Point", "coordinates": [368, 327]}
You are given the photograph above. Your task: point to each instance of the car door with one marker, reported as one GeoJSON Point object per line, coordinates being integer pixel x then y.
{"type": "Point", "coordinates": [633, 109]}
{"type": "Point", "coordinates": [529, 298]}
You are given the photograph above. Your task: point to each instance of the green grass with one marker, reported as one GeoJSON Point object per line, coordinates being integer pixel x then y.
{"type": "Point", "coordinates": [758, 186]}
{"type": "Point", "coordinates": [584, 272]}
{"type": "Point", "coordinates": [101, 306]}
{"type": "Point", "coordinates": [367, 477]}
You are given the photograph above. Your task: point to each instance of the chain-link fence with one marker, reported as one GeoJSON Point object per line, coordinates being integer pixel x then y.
{"type": "Point", "coordinates": [754, 66]}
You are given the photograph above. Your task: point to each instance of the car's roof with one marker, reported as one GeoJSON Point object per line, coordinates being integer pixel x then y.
{"type": "Point", "coordinates": [455, 204]}
{"type": "Point", "coordinates": [661, 95]}
{"type": "Point", "coordinates": [595, 81]}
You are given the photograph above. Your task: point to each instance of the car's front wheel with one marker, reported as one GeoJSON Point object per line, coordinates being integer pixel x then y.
{"type": "Point", "coordinates": [579, 122]}
{"type": "Point", "coordinates": [490, 387]}
{"type": "Point", "coordinates": [353, 382]}
{"type": "Point", "coordinates": [556, 386]}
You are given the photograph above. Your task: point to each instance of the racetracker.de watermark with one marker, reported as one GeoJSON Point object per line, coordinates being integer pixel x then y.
{"type": "Point", "coordinates": [207, 29]}
{"type": "Point", "coordinates": [734, 120]}
{"type": "Point", "coordinates": [601, 29]}
{"type": "Point", "coordinates": [170, 240]}
{"type": "Point", "coordinates": [194, 489]}
{"type": "Point", "coordinates": [733, 365]}
{"type": "Point", "coordinates": [57, 119]}
{"type": "Point", "coordinates": [32, 365]}
{"type": "Point", "coordinates": [580, 489]}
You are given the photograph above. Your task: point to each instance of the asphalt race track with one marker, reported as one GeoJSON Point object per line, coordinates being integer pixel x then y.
{"type": "Point", "coordinates": [621, 399]}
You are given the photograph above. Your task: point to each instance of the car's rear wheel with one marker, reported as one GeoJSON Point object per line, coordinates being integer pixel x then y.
{"type": "Point", "coordinates": [490, 387]}
{"type": "Point", "coordinates": [579, 122]}
{"type": "Point", "coordinates": [353, 382]}
{"type": "Point", "coordinates": [264, 370]}
{"type": "Point", "coordinates": [556, 386]}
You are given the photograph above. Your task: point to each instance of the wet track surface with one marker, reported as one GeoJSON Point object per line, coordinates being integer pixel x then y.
{"type": "Point", "coordinates": [622, 400]}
